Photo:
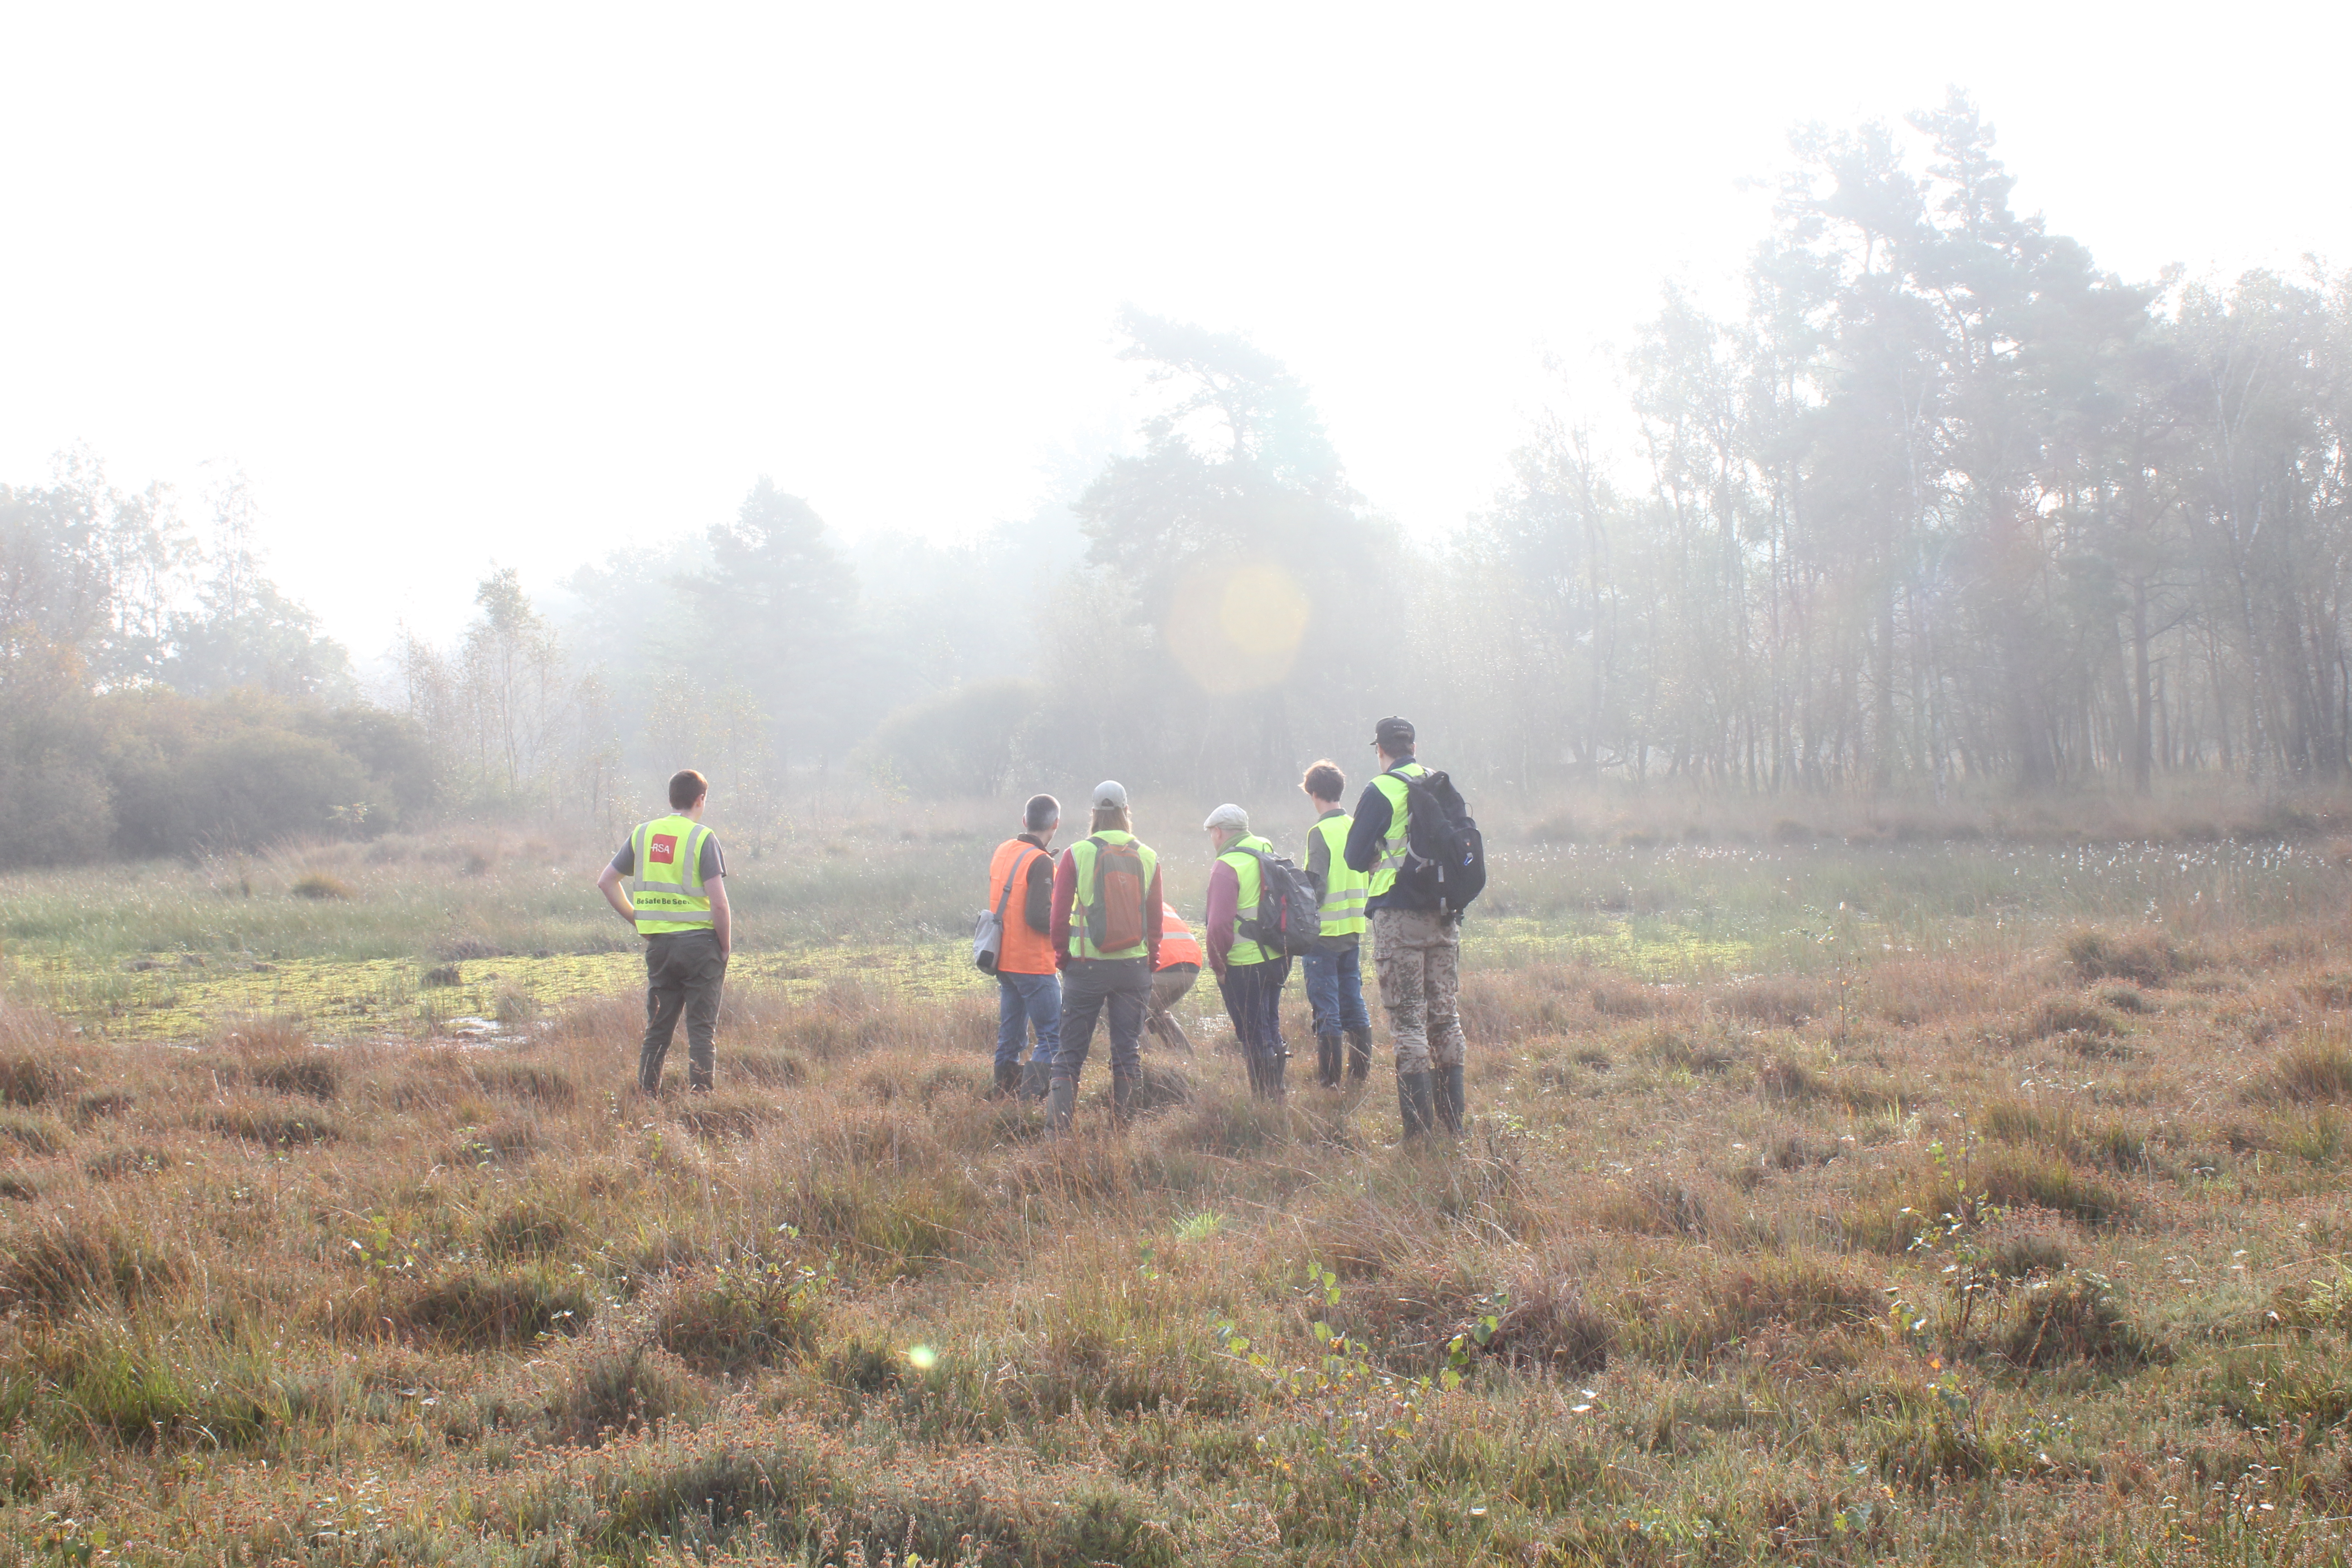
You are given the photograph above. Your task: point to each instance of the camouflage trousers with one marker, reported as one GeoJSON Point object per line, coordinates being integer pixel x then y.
{"type": "Point", "coordinates": [1418, 957]}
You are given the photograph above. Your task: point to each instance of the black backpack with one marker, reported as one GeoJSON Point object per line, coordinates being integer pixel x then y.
{"type": "Point", "coordinates": [1289, 911]}
{"type": "Point", "coordinates": [1445, 855]}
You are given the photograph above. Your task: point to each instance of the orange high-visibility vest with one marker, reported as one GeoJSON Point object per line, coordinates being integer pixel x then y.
{"type": "Point", "coordinates": [1026, 950]}
{"type": "Point", "coordinates": [1176, 943]}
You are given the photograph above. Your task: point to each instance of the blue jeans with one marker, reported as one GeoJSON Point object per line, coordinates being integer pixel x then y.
{"type": "Point", "coordinates": [1335, 989]}
{"type": "Point", "coordinates": [1022, 1000]}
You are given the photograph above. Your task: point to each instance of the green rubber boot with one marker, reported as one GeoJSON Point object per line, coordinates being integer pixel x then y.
{"type": "Point", "coordinates": [1413, 1103]}
{"type": "Point", "coordinates": [1448, 1085]}
{"type": "Point", "coordinates": [1063, 1100]}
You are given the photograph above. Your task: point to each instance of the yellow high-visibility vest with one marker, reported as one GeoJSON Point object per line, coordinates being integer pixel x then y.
{"type": "Point", "coordinates": [1082, 880]}
{"type": "Point", "coordinates": [667, 891]}
{"type": "Point", "coordinates": [1344, 889]}
{"type": "Point", "coordinates": [1247, 895]}
{"type": "Point", "coordinates": [1392, 853]}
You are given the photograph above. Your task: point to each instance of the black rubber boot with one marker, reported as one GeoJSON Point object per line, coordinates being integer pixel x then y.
{"type": "Point", "coordinates": [1360, 1055]}
{"type": "Point", "coordinates": [1276, 1062]}
{"type": "Point", "coordinates": [1326, 1060]}
{"type": "Point", "coordinates": [1008, 1081]}
{"type": "Point", "coordinates": [1413, 1103]}
{"type": "Point", "coordinates": [1448, 1085]}
{"type": "Point", "coordinates": [1122, 1100]}
{"type": "Point", "coordinates": [1060, 1102]}
{"type": "Point", "coordinates": [1033, 1080]}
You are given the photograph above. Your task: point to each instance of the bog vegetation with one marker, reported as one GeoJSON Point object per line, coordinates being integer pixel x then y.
{"type": "Point", "coordinates": [1825, 1202]}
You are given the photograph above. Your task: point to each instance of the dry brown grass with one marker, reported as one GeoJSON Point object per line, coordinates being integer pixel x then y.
{"type": "Point", "coordinates": [1722, 1272]}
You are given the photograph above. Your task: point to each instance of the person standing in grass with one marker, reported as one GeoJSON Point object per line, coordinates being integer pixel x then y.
{"type": "Point", "coordinates": [1335, 974]}
{"type": "Point", "coordinates": [1028, 985]}
{"type": "Point", "coordinates": [1107, 926]}
{"type": "Point", "coordinates": [677, 900]}
{"type": "Point", "coordinates": [1173, 973]}
{"type": "Point", "coordinates": [1416, 944]}
{"type": "Point", "coordinates": [1251, 978]}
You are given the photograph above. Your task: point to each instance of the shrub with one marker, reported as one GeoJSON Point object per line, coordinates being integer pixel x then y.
{"type": "Point", "coordinates": [2147, 958]}
{"type": "Point", "coordinates": [319, 884]}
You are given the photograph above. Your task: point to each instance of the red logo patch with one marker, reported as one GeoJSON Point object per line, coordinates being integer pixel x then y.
{"type": "Point", "coordinates": [665, 849]}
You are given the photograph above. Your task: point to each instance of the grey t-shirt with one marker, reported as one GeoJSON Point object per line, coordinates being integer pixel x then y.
{"type": "Point", "coordinates": [714, 863]}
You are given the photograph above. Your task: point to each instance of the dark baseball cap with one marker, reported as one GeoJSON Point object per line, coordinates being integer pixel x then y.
{"type": "Point", "coordinates": [1391, 732]}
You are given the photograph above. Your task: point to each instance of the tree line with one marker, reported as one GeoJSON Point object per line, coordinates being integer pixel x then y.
{"type": "Point", "coordinates": [1945, 505]}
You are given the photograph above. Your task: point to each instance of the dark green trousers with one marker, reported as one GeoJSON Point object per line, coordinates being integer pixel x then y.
{"type": "Point", "coordinates": [684, 975]}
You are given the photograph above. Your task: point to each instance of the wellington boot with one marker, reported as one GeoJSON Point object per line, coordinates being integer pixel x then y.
{"type": "Point", "coordinates": [1122, 1100]}
{"type": "Point", "coordinates": [1326, 1060]}
{"type": "Point", "coordinates": [1276, 1063]}
{"type": "Point", "coordinates": [1060, 1102]}
{"type": "Point", "coordinates": [1008, 1080]}
{"type": "Point", "coordinates": [1033, 1080]}
{"type": "Point", "coordinates": [1448, 1084]}
{"type": "Point", "coordinates": [1413, 1103]}
{"type": "Point", "coordinates": [1360, 1055]}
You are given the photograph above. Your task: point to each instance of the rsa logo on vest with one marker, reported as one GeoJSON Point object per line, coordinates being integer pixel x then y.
{"type": "Point", "coordinates": [665, 849]}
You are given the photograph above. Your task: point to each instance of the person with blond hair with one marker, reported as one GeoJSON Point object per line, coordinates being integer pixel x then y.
{"type": "Point", "coordinates": [1107, 926]}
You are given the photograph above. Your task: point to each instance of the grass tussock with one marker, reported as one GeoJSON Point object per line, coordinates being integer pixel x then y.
{"type": "Point", "coordinates": [319, 884]}
{"type": "Point", "coordinates": [2147, 959]}
{"type": "Point", "coordinates": [2317, 1070]}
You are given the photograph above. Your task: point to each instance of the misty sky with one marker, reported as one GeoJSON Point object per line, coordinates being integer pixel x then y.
{"type": "Point", "coordinates": [458, 283]}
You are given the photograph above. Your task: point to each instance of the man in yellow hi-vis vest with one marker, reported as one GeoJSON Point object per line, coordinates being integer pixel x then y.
{"type": "Point", "coordinates": [677, 900]}
{"type": "Point", "coordinates": [1335, 973]}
